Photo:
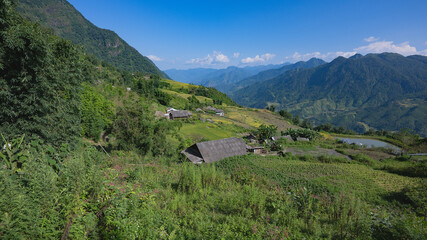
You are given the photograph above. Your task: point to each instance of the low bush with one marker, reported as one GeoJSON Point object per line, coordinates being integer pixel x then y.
{"type": "Point", "coordinates": [363, 159]}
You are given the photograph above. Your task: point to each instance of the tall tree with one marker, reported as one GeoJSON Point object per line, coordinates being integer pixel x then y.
{"type": "Point", "coordinates": [40, 77]}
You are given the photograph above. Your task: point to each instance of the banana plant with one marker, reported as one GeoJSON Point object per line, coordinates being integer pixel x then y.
{"type": "Point", "coordinates": [12, 153]}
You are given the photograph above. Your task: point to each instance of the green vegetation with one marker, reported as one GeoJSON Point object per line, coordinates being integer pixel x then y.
{"type": "Point", "coordinates": [40, 81]}
{"type": "Point", "coordinates": [265, 132]}
{"type": "Point", "coordinates": [133, 184]}
{"type": "Point", "coordinates": [301, 133]}
{"type": "Point", "coordinates": [96, 112]}
{"type": "Point", "coordinates": [136, 129]}
{"type": "Point", "coordinates": [68, 23]}
{"type": "Point", "coordinates": [125, 195]}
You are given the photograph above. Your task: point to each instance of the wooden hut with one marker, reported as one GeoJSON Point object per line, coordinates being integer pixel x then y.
{"type": "Point", "coordinates": [212, 151]}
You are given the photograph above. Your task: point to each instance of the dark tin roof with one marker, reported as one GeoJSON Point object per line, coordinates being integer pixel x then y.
{"type": "Point", "coordinates": [213, 151]}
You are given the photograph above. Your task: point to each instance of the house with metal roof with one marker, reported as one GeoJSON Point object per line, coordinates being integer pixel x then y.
{"type": "Point", "coordinates": [212, 151]}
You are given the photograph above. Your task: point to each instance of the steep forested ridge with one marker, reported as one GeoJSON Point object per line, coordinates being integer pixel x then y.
{"type": "Point", "coordinates": [68, 23]}
{"type": "Point", "coordinates": [386, 91]}
{"type": "Point", "coordinates": [271, 73]}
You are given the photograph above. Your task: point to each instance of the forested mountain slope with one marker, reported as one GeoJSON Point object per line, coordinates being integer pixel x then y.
{"type": "Point", "coordinates": [386, 91]}
{"type": "Point", "coordinates": [70, 24]}
{"type": "Point", "coordinates": [271, 73]}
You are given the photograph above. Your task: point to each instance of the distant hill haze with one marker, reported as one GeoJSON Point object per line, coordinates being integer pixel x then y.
{"type": "Point", "coordinates": [384, 91]}
{"type": "Point", "coordinates": [222, 79]}
{"type": "Point", "coordinates": [233, 78]}
{"type": "Point", "coordinates": [70, 24]}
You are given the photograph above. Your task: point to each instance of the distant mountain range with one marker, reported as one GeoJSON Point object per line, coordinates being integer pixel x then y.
{"type": "Point", "coordinates": [70, 24]}
{"type": "Point", "coordinates": [193, 75]}
{"type": "Point", "coordinates": [222, 79]}
{"type": "Point", "coordinates": [384, 91]}
{"type": "Point", "coordinates": [230, 79]}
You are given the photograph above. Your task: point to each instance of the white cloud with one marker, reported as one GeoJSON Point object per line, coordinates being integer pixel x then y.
{"type": "Point", "coordinates": [388, 46]}
{"type": "Point", "coordinates": [237, 54]}
{"type": "Point", "coordinates": [215, 58]}
{"type": "Point", "coordinates": [425, 43]}
{"type": "Point", "coordinates": [327, 56]}
{"type": "Point", "coordinates": [268, 56]}
{"type": "Point", "coordinates": [154, 58]}
{"type": "Point", "coordinates": [202, 61]}
{"type": "Point", "coordinates": [221, 58]}
{"type": "Point", "coordinates": [374, 46]}
{"type": "Point", "coordinates": [257, 58]}
{"type": "Point", "coordinates": [371, 39]}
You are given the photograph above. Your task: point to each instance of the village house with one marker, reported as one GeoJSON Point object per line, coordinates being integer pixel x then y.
{"type": "Point", "coordinates": [217, 111]}
{"type": "Point", "coordinates": [179, 114]}
{"type": "Point", "coordinates": [212, 151]}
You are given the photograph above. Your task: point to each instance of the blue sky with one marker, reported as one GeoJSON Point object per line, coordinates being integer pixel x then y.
{"type": "Point", "coordinates": [215, 34]}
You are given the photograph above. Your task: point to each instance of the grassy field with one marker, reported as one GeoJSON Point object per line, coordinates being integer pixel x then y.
{"type": "Point", "coordinates": [235, 122]}
{"type": "Point", "coordinates": [373, 186]}
{"type": "Point", "coordinates": [186, 96]}
{"type": "Point", "coordinates": [178, 85]}
{"type": "Point", "coordinates": [256, 117]}
{"type": "Point", "coordinates": [206, 131]}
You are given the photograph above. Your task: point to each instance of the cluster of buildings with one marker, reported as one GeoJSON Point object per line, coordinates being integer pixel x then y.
{"type": "Point", "coordinates": [172, 113]}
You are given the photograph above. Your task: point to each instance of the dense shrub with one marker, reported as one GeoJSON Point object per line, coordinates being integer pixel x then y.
{"type": "Point", "coordinates": [411, 169]}
{"type": "Point", "coordinates": [302, 133]}
{"type": "Point", "coordinates": [97, 113]}
{"type": "Point", "coordinates": [364, 159]}
{"type": "Point", "coordinates": [265, 132]}
{"type": "Point", "coordinates": [40, 81]}
{"type": "Point", "coordinates": [38, 202]}
{"type": "Point", "coordinates": [136, 129]}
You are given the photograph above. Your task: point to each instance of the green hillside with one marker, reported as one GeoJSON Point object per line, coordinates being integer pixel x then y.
{"type": "Point", "coordinates": [384, 91]}
{"type": "Point", "coordinates": [84, 156]}
{"type": "Point", "coordinates": [237, 122]}
{"type": "Point", "coordinates": [68, 23]}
